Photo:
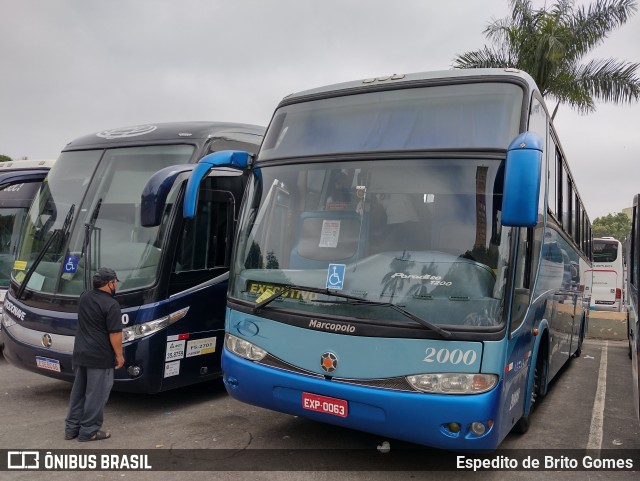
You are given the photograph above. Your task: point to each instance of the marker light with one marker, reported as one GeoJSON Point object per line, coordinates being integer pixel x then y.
{"type": "Point", "coordinates": [138, 331]}
{"type": "Point", "coordinates": [453, 383]}
{"type": "Point", "coordinates": [243, 348]}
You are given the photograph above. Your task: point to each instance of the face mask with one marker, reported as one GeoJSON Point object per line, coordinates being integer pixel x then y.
{"type": "Point", "coordinates": [113, 291]}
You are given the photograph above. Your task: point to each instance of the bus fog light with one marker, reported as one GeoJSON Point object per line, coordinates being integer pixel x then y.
{"type": "Point", "coordinates": [243, 348]}
{"type": "Point", "coordinates": [134, 371]}
{"type": "Point", "coordinates": [478, 428]}
{"type": "Point", "coordinates": [453, 427]}
{"type": "Point", "coordinates": [453, 383]}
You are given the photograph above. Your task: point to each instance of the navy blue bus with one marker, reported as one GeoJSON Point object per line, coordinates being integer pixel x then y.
{"type": "Point", "coordinates": [92, 211]}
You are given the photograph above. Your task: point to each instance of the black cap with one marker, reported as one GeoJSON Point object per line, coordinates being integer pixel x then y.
{"type": "Point", "coordinates": [105, 274]}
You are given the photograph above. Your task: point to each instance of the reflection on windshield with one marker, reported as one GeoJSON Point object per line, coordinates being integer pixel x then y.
{"type": "Point", "coordinates": [436, 117]}
{"type": "Point", "coordinates": [604, 251]}
{"type": "Point", "coordinates": [420, 234]}
{"type": "Point", "coordinates": [115, 238]}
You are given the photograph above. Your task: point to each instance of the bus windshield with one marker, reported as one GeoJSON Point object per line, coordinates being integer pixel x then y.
{"type": "Point", "coordinates": [10, 221]}
{"type": "Point", "coordinates": [604, 250]}
{"type": "Point", "coordinates": [14, 204]}
{"type": "Point", "coordinates": [86, 215]}
{"type": "Point", "coordinates": [423, 234]}
{"type": "Point", "coordinates": [479, 115]}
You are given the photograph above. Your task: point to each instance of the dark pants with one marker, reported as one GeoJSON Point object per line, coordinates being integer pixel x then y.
{"type": "Point", "coordinates": [89, 395]}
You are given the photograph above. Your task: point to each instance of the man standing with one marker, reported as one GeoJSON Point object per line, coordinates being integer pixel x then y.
{"type": "Point", "coordinates": [96, 352]}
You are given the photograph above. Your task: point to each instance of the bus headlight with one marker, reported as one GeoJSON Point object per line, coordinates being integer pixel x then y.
{"type": "Point", "coordinates": [453, 383]}
{"type": "Point", "coordinates": [139, 331]}
{"type": "Point", "coordinates": [243, 348]}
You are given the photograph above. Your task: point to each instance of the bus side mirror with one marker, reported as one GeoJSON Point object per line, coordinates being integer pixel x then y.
{"type": "Point", "coordinates": [155, 192]}
{"type": "Point", "coordinates": [522, 181]}
{"type": "Point", "coordinates": [223, 158]}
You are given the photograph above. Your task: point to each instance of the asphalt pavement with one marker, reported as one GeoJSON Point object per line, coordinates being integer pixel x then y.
{"type": "Point", "coordinates": [588, 406]}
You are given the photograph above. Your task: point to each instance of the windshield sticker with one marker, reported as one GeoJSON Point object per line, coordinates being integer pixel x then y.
{"type": "Point", "coordinates": [266, 290]}
{"type": "Point", "coordinates": [335, 276]}
{"type": "Point", "coordinates": [330, 233]}
{"type": "Point", "coordinates": [71, 264]}
{"type": "Point", "coordinates": [20, 265]}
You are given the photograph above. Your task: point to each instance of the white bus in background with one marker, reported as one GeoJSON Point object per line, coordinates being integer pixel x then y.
{"type": "Point", "coordinates": [607, 280]}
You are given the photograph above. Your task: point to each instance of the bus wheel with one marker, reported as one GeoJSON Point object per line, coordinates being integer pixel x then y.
{"type": "Point", "coordinates": [580, 339]}
{"type": "Point", "coordinates": [629, 336]}
{"type": "Point", "coordinates": [522, 426]}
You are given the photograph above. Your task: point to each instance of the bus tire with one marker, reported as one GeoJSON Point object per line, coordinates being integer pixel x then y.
{"type": "Point", "coordinates": [629, 336]}
{"type": "Point", "coordinates": [580, 338]}
{"type": "Point", "coordinates": [537, 393]}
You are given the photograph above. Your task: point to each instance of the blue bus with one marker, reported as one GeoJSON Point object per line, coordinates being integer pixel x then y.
{"type": "Point", "coordinates": [633, 286]}
{"type": "Point", "coordinates": [93, 210]}
{"type": "Point", "coordinates": [409, 259]}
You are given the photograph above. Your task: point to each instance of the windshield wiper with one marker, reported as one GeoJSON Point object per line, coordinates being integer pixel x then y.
{"type": "Point", "coordinates": [62, 233]}
{"type": "Point", "coordinates": [352, 301]}
{"type": "Point", "coordinates": [89, 227]}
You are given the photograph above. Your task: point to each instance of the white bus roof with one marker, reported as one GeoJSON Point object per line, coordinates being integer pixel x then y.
{"type": "Point", "coordinates": [26, 164]}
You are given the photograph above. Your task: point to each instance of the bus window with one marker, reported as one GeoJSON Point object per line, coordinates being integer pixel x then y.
{"type": "Point", "coordinates": [607, 275]}
{"type": "Point", "coordinates": [205, 243]}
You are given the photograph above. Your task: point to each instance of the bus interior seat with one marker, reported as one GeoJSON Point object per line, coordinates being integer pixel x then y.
{"type": "Point", "coordinates": [308, 251]}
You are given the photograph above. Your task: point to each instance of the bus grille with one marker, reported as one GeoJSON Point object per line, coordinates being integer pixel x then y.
{"type": "Point", "coordinates": [393, 383]}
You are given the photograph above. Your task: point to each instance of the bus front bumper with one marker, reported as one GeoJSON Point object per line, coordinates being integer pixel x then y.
{"type": "Point", "coordinates": [58, 364]}
{"type": "Point", "coordinates": [427, 419]}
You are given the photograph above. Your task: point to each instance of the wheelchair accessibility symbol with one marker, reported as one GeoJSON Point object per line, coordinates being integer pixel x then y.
{"type": "Point", "coordinates": [71, 264]}
{"type": "Point", "coordinates": [335, 276]}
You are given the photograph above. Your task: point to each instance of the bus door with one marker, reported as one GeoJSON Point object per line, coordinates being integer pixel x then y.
{"type": "Point", "coordinates": [604, 293]}
{"type": "Point", "coordinates": [198, 270]}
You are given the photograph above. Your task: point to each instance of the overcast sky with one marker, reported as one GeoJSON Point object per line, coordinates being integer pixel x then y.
{"type": "Point", "coordinates": [73, 67]}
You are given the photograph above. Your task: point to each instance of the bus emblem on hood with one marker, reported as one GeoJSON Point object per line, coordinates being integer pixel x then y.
{"type": "Point", "coordinates": [46, 340]}
{"type": "Point", "coordinates": [125, 132]}
{"type": "Point", "coordinates": [329, 362]}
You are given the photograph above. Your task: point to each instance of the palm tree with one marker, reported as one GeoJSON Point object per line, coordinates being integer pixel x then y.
{"type": "Point", "coordinates": [549, 44]}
